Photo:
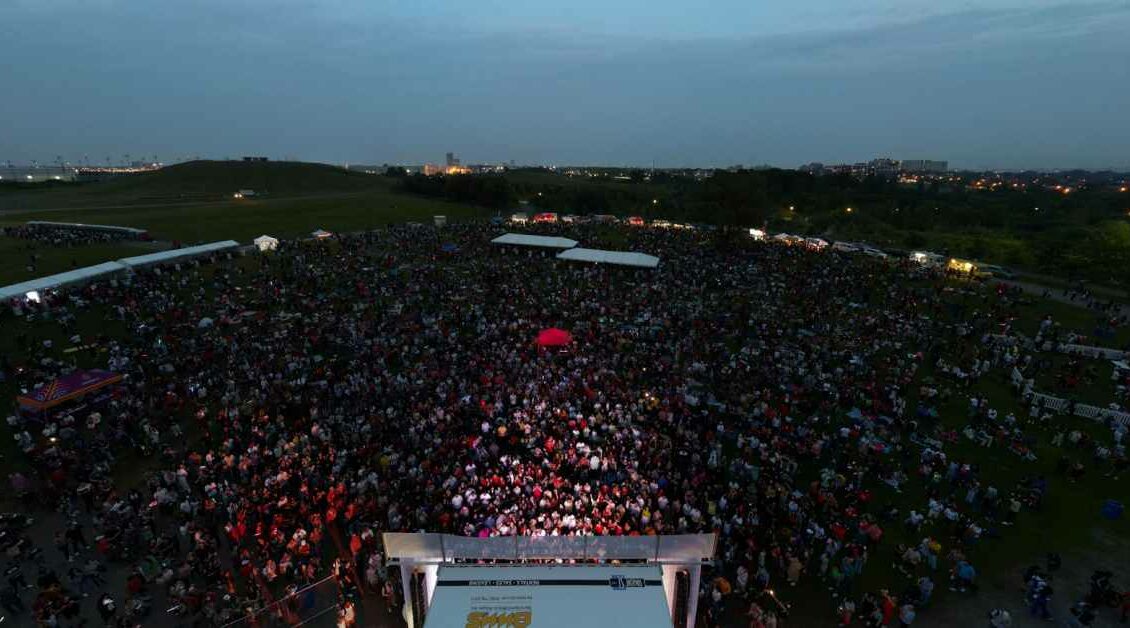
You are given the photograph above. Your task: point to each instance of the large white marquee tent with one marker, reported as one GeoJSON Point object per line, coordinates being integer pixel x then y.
{"type": "Point", "coordinates": [524, 239]}
{"type": "Point", "coordinates": [619, 258]}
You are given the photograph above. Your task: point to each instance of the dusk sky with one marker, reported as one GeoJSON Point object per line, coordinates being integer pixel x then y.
{"type": "Point", "coordinates": [985, 84]}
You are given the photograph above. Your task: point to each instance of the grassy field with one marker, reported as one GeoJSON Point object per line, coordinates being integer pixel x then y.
{"type": "Point", "coordinates": [244, 219]}
{"type": "Point", "coordinates": [193, 181]}
{"type": "Point", "coordinates": [338, 200]}
{"type": "Point", "coordinates": [15, 257]}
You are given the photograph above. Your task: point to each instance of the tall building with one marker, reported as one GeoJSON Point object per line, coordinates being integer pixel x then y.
{"type": "Point", "coordinates": [883, 167]}
{"type": "Point", "coordinates": [925, 165]}
{"type": "Point", "coordinates": [452, 160]}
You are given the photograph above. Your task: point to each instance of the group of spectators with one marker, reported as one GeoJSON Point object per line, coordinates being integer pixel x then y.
{"type": "Point", "coordinates": [296, 405]}
{"type": "Point", "coordinates": [68, 236]}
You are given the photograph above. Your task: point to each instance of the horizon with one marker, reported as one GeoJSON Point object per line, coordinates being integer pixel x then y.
{"type": "Point", "coordinates": [1004, 85]}
{"type": "Point", "coordinates": [49, 166]}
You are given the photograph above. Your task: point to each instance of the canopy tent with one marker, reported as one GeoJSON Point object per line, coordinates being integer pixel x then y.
{"type": "Point", "coordinates": [77, 275]}
{"type": "Point", "coordinates": [266, 243]}
{"type": "Point", "coordinates": [619, 258]}
{"type": "Point", "coordinates": [320, 234]}
{"type": "Point", "coordinates": [554, 337]}
{"type": "Point", "coordinates": [68, 387]}
{"type": "Point", "coordinates": [545, 242]}
{"type": "Point", "coordinates": [178, 254]}
{"type": "Point", "coordinates": [449, 247]}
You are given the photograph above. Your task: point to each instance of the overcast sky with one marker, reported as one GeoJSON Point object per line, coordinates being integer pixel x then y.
{"type": "Point", "coordinates": [987, 83]}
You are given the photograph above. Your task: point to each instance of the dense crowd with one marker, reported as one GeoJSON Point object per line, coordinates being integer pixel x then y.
{"type": "Point", "coordinates": [299, 404]}
{"type": "Point", "coordinates": [65, 236]}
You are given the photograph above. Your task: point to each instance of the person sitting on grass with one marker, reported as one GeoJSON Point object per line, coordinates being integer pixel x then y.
{"type": "Point", "coordinates": [962, 577]}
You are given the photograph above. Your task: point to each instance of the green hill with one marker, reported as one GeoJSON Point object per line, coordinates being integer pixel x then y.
{"type": "Point", "coordinates": [195, 181]}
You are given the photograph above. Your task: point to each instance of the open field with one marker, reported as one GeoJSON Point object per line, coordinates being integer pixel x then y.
{"type": "Point", "coordinates": [197, 181]}
{"type": "Point", "coordinates": [15, 257]}
{"type": "Point", "coordinates": [334, 207]}
{"type": "Point", "coordinates": [244, 219]}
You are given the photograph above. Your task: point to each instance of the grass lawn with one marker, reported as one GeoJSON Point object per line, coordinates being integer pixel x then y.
{"type": "Point", "coordinates": [237, 220]}
{"type": "Point", "coordinates": [197, 180]}
{"type": "Point", "coordinates": [248, 218]}
{"type": "Point", "coordinates": [15, 256]}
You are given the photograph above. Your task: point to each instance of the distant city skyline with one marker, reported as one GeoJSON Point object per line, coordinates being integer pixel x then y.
{"type": "Point", "coordinates": [984, 84]}
{"type": "Point", "coordinates": [909, 165]}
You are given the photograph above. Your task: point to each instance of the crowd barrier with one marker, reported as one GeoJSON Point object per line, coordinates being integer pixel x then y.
{"type": "Point", "coordinates": [1086, 351]}
{"type": "Point", "coordinates": [1058, 404]}
{"type": "Point", "coordinates": [1098, 353]}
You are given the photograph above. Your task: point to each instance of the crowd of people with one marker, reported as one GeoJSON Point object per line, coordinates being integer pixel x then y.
{"type": "Point", "coordinates": [61, 235]}
{"type": "Point", "coordinates": [296, 405]}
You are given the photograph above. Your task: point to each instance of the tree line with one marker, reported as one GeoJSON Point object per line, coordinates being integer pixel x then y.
{"type": "Point", "coordinates": [1084, 234]}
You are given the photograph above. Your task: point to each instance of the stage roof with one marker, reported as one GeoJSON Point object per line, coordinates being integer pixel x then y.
{"type": "Point", "coordinates": [620, 258]}
{"type": "Point", "coordinates": [524, 239]}
{"type": "Point", "coordinates": [559, 596]}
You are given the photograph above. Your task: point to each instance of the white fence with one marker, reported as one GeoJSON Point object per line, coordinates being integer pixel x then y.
{"type": "Point", "coordinates": [1059, 404]}
{"type": "Point", "coordinates": [1086, 351]}
{"type": "Point", "coordinates": [1098, 353]}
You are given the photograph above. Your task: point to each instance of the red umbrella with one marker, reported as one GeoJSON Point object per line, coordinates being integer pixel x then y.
{"type": "Point", "coordinates": [554, 337]}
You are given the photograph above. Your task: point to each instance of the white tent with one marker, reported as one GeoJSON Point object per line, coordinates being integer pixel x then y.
{"type": "Point", "coordinates": [178, 254]}
{"type": "Point", "coordinates": [619, 258]}
{"type": "Point", "coordinates": [321, 234]}
{"type": "Point", "coordinates": [266, 243]}
{"type": "Point", "coordinates": [523, 239]}
{"type": "Point", "coordinates": [78, 275]}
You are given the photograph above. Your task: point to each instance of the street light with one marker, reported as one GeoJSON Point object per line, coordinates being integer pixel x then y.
{"type": "Point", "coordinates": [849, 210]}
{"type": "Point", "coordinates": [654, 201]}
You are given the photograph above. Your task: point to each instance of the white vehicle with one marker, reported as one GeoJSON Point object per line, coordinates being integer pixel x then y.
{"type": "Point", "coordinates": [926, 258]}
